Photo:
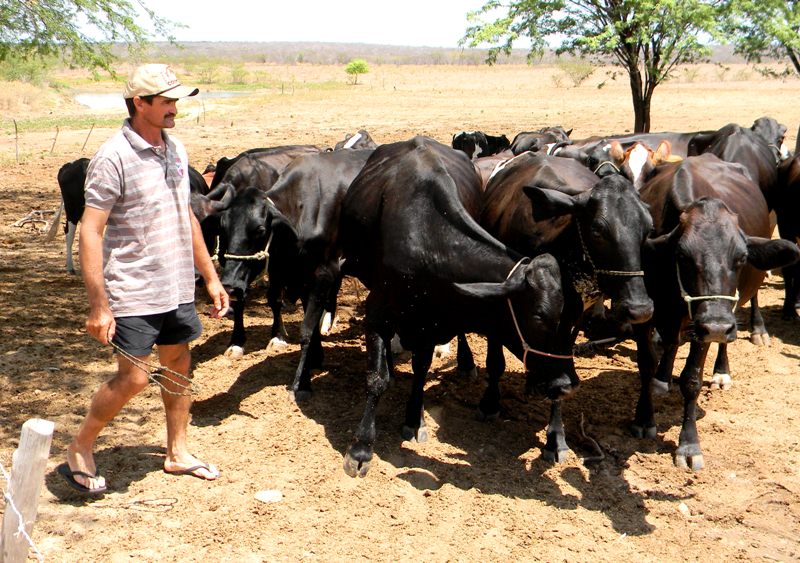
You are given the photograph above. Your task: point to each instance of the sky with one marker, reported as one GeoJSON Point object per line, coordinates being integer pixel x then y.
{"type": "Point", "coordinates": [423, 23]}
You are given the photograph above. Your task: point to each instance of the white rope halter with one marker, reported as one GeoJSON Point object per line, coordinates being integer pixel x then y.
{"type": "Point", "coordinates": [260, 255]}
{"type": "Point", "coordinates": [606, 163]}
{"type": "Point", "coordinates": [525, 347]}
{"type": "Point", "coordinates": [689, 299]}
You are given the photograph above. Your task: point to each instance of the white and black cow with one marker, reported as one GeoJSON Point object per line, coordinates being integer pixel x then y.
{"type": "Point", "coordinates": [433, 272]}
{"type": "Point", "coordinates": [357, 141]}
{"type": "Point", "coordinates": [477, 143]}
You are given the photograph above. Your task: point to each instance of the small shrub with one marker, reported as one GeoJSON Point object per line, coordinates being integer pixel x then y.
{"type": "Point", "coordinates": [691, 73]}
{"type": "Point", "coordinates": [356, 67]}
{"type": "Point", "coordinates": [207, 73]}
{"type": "Point", "coordinates": [239, 74]}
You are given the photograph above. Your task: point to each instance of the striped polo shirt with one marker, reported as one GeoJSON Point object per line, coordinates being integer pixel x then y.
{"type": "Point", "coordinates": [148, 263]}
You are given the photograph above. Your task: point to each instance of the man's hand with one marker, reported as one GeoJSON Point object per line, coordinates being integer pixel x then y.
{"type": "Point", "coordinates": [101, 324]}
{"type": "Point", "coordinates": [219, 297]}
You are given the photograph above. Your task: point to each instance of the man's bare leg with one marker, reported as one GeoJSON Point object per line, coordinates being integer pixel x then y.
{"type": "Point", "coordinates": [176, 406]}
{"type": "Point", "coordinates": [106, 404]}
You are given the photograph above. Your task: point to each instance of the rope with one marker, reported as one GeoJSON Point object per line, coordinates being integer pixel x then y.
{"type": "Point", "coordinates": [689, 299]}
{"type": "Point", "coordinates": [21, 521]}
{"type": "Point", "coordinates": [154, 372]}
{"type": "Point", "coordinates": [526, 348]}
{"type": "Point", "coordinates": [606, 163]}
{"type": "Point", "coordinates": [624, 273]}
{"type": "Point", "coordinates": [261, 255]}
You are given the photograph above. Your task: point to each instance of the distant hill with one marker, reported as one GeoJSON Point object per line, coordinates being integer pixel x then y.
{"type": "Point", "coordinates": [341, 53]}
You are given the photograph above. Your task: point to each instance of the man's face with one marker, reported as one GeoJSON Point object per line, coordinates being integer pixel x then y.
{"type": "Point", "coordinates": [161, 113]}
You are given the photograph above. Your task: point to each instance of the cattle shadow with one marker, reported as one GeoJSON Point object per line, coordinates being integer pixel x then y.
{"type": "Point", "coordinates": [503, 457]}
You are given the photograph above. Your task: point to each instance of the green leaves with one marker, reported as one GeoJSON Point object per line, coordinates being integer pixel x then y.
{"type": "Point", "coordinates": [80, 32]}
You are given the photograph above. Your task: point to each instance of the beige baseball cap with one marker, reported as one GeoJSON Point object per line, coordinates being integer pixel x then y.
{"type": "Point", "coordinates": [156, 80]}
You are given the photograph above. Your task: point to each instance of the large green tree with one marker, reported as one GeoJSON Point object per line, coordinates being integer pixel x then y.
{"type": "Point", "coordinates": [647, 38]}
{"type": "Point", "coordinates": [81, 32]}
{"type": "Point", "coordinates": [766, 28]}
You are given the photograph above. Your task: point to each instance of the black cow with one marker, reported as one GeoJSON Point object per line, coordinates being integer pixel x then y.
{"type": "Point", "coordinates": [360, 140]}
{"type": "Point", "coordinates": [710, 252]}
{"type": "Point", "coordinates": [292, 231]}
{"type": "Point", "coordinates": [787, 203]}
{"type": "Point", "coordinates": [281, 157]}
{"type": "Point", "coordinates": [71, 178]}
{"type": "Point", "coordinates": [433, 273]}
{"type": "Point", "coordinates": [535, 141]}
{"type": "Point", "coordinates": [478, 143]}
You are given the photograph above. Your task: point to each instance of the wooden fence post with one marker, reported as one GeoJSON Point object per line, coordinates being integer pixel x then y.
{"type": "Point", "coordinates": [27, 475]}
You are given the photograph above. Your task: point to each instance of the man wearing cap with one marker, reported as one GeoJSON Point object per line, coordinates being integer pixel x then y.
{"type": "Point", "coordinates": [139, 244]}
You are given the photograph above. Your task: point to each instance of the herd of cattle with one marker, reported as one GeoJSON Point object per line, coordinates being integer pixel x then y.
{"type": "Point", "coordinates": [521, 242]}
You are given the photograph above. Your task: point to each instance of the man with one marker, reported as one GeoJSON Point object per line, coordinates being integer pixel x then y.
{"type": "Point", "coordinates": [139, 242]}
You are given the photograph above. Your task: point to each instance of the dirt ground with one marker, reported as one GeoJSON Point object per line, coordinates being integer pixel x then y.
{"type": "Point", "coordinates": [475, 491]}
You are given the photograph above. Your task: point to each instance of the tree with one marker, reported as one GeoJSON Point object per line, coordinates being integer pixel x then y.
{"type": "Point", "coordinates": [356, 67]}
{"type": "Point", "coordinates": [647, 38]}
{"type": "Point", "coordinates": [80, 32]}
{"type": "Point", "coordinates": [766, 28]}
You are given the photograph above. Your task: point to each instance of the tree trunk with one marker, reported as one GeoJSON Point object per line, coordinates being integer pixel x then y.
{"type": "Point", "coordinates": [641, 102]}
{"type": "Point", "coordinates": [793, 57]}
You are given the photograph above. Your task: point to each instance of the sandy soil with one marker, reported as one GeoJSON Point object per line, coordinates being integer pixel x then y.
{"type": "Point", "coordinates": [475, 491]}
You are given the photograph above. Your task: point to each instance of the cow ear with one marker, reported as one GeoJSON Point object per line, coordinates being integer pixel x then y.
{"type": "Point", "coordinates": [278, 220]}
{"type": "Point", "coordinates": [547, 204]}
{"type": "Point", "coordinates": [658, 251]}
{"type": "Point", "coordinates": [616, 152]}
{"type": "Point", "coordinates": [569, 132]}
{"type": "Point", "coordinates": [766, 254]}
{"type": "Point", "coordinates": [516, 282]}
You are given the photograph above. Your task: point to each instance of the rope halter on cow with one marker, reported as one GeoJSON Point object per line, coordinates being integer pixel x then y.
{"type": "Point", "coordinates": [607, 163]}
{"type": "Point", "coordinates": [689, 299]}
{"type": "Point", "coordinates": [525, 346]}
{"type": "Point", "coordinates": [260, 255]}
{"type": "Point", "coordinates": [622, 273]}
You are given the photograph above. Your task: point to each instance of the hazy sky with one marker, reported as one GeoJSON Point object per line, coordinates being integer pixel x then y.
{"type": "Point", "coordinates": [431, 23]}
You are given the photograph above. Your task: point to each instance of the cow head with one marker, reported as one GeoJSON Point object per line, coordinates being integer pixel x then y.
{"type": "Point", "coordinates": [638, 162]}
{"type": "Point", "coordinates": [472, 143]}
{"type": "Point", "coordinates": [702, 259]}
{"type": "Point", "coordinates": [247, 228]}
{"type": "Point", "coordinates": [610, 224]}
{"type": "Point", "coordinates": [535, 299]}
{"type": "Point", "coordinates": [774, 134]}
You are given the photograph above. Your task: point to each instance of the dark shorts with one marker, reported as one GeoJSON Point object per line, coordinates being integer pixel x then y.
{"type": "Point", "coordinates": [137, 335]}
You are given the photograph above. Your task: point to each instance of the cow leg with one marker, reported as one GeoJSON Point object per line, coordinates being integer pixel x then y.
{"type": "Point", "coordinates": [662, 382]}
{"type": "Point", "coordinates": [275, 301]}
{"type": "Point", "coordinates": [489, 407]}
{"type": "Point", "coordinates": [722, 371]}
{"type": "Point", "coordinates": [359, 454]}
{"type": "Point", "coordinates": [329, 317]}
{"type": "Point", "coordinates": [70, 236]}
{"type": "Point", "coordinates": [644, 424]}
{"type": "Point", "coordinates": [414, 428]}
{"type": "Point", "coordinates": [310, 339]}
{"type": "Point", "coordinates": [555, 449]}
{"type": "Point", "coordinates": [758, 331]}
{"type": "Point", "coordinates": [235, 349]}
{"type": "Point", "coordinates": [465, 363]}
{"type": "Point", "coordinates": [791, 286]}
{"type": "Point", "coordinates": [688, 453]}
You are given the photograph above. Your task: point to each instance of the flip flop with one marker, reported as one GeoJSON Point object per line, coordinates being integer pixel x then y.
{"type": "Point", "coordinates": [191, 471]}
{"type": "Point", "coordinates": [69, 477]}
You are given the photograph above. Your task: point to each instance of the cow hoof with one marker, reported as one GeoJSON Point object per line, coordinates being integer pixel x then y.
{"type": "Point", "coordinates": [276, 344]}
{"type": "Point", "coordinates": [327, 323]}
{"type": "Point", "coordinates": [299, 395]}
{"type": "Point", "coordinates": [468, 373]}
{"type": "Point", "coordinates": [760, 339]}
{"type": "Point", "coordinates": [644, 432]}
{"type": "Point", "coordinates": [658, 387]}
{"type": "Point", "coordinates": [441, 351]}
{"type": "Point", "coordinates": [557, 456]}
{"type": "Point", "coordinates": [355, 468]}
{"type": "Point", "coordinates": [234, 352]}
{"type": "Point", "coordinates": [693, 462]}
{"type": "Point", "coordinates": [483, 417]}
{"type": "Point", "coordinates": [418, 435]}
{"type": "Point", "coordinates": [721, 381]}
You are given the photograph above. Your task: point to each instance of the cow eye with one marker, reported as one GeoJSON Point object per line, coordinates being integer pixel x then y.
{"type": "Point", "coordinates": [261, 230]}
